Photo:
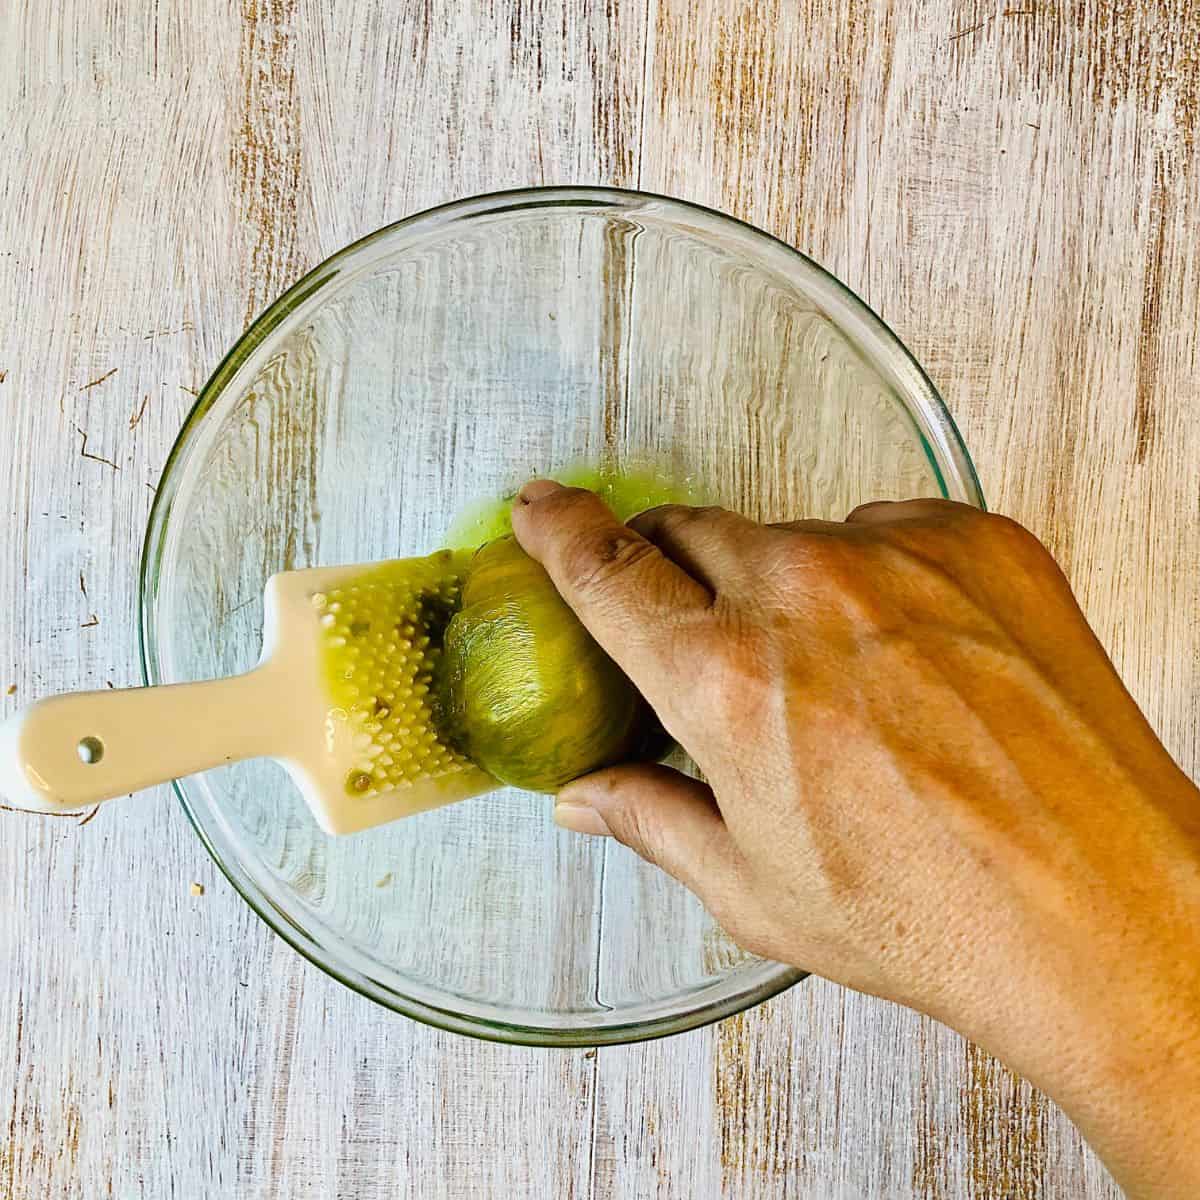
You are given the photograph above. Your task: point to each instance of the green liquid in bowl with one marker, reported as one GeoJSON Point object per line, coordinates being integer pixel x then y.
{"type": "Point", "coordinates": [627, 493]}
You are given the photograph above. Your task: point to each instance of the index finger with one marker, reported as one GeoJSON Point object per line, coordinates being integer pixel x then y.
{"type": "Point", "coordinates": [632, 599]}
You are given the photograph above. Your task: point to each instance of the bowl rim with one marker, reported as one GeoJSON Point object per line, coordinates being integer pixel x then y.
{"type": "Point", "coordinates": [908, 376]}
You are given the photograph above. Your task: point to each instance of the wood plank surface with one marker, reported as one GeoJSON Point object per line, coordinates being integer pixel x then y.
{"type": "Point", "coordinates": [1014, 187]}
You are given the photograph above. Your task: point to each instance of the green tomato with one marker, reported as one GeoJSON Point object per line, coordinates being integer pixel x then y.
{"type": "Point", "coordinates": [524, 690]}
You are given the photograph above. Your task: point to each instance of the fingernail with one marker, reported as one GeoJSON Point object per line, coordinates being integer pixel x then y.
{"type": "Point", "coordinates": [538, 489]}
{"type": "Point", "coordinates": [580, 818]}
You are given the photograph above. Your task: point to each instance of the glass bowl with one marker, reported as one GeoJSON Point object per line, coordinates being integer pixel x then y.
{"type": "Point", "coordinates": [441, 361]}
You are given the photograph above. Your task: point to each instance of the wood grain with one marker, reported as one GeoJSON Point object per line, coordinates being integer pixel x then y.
{"type": "Point", "coordinates": [1014, 187]}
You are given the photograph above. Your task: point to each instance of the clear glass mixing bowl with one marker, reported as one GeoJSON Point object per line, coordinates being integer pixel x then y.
{"type": "Point", "coordinates": [443, 360]}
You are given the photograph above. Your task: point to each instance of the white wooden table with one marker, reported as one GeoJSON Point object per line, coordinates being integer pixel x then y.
{"type": "Point", "coordinates": [1016, 187]}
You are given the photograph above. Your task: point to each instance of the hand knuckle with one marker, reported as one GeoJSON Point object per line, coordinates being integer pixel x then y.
{"type": "Point", "coordinates": [1009, 537]}
{"type": "Point", "coordinates": [671, 515]}
{"type": "Point", "coordinates": [816, 562]}
{"type": "Point", "coordinates": [675, 520]}
{"type": "Point", "coordinates": [835, 579]}
{"type": "Point", "coordinates": [939, 512]}
{"type": "Point", "coordinates": [596, 562]}
{"type": "Point", "coordinates": [868, 506]}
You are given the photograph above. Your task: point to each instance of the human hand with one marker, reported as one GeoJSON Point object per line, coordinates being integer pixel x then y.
{"type": "Point", "coordinates": [925, 780]}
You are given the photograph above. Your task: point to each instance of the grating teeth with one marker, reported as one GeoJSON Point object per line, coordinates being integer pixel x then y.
{"type": "Point", "coordinates": [380, 658]}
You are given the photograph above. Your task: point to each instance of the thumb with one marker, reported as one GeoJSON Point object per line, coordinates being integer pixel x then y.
{"type": "Point", "coordinates": [666, 817]}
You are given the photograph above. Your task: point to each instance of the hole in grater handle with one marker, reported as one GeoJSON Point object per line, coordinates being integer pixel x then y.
{"type": "Point", "coordinates": [90, 750]}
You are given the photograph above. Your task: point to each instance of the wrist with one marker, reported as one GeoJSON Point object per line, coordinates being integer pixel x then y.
{"type": "Point", "coordinates": [1133, 1090]}
{"type": "Point", "coordinates": [1108, 1011]}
